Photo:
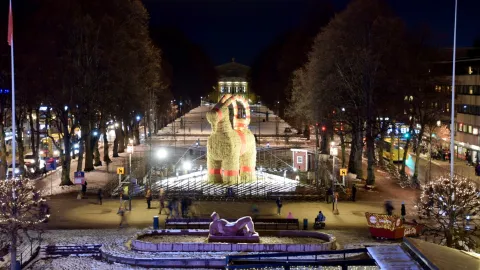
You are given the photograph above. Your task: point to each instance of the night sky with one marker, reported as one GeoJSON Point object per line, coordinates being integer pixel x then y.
{"type": "Point", "coordinates": [242, 28]}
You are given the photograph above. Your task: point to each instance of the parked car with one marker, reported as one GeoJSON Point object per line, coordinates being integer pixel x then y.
{"type": "Point", "coordinates": [18, 170]}
{"type": "Point", "coordinates": [29, 161]}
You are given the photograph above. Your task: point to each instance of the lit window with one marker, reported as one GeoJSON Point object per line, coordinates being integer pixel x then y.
{"type": "Point", "coordinates": [470, 70]}
{"type": "Point", "coordinates": [299, 159]}
{"type": "Point", "coordinates": [470, 129]}
{"type": "Point", "coordinates": [470, 90]}
{"type": "Point", "coordinates": [475, 131]}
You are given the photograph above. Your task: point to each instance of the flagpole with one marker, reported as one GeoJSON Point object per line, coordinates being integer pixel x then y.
{"type": "Point", "coordinates": [14, 147]}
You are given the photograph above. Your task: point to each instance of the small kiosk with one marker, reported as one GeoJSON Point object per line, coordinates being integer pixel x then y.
{"type": "Point", "coordinates": [391, 226]}
{"type": "Point", "coordinates": [302, 159]}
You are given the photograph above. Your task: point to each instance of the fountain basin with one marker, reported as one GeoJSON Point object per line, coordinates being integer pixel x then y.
{"type": "Point", "coordinates": [314, 241]}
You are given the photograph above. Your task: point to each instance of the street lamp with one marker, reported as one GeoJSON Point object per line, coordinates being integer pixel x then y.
{"type": "Point", "coordinates": [130, 151]}
{"type": "Point", "coordinates": [334, 153]}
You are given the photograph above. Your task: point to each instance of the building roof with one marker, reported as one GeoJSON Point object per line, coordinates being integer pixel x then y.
{"type": "Point", "coordinates": [232, 71]}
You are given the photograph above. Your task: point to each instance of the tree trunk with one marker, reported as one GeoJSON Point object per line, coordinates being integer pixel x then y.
{"type": "Point", "coordinates": [392, 146]}
{"type": "Point", "coordinates": [359, 154]}
{"type": "Point", "coordinates": [106, 157]}
{"type": "Point", "coordinates": [381, 162]}
{"type": "Point", "coordinates": [128, 134]}
{"type": "Point", "coordinates": [405, 153]}
{"type": "Point", "coordinates": [20, 148]}
{"type": "Point", "coordinates": [137, 134]}
{"type": "Point", "coordinates": [81, 150]}
{"type": "Point", "coordinates": [353, 150]}
{"type": "Point", "coordinates": [370, 157]}
{"type": "Point", "coordinates": [13, 249]}
{"type": "Point", "coordinates": [116, 142]}
{"type": "Point", "coordinates": [121, 139]}
{"type": "Point", "coordinates": [3, 149]}
{"type": "Point", "coordinates": [417, 153]}
{"type": "Point", "coordinates": [66, 157]}
{"type": "Point", "coordinates": [88, 147]}
{"type": "Point", "coordinates": [97, 160]}
{"type": "Point", "coordinates": [33, 143]}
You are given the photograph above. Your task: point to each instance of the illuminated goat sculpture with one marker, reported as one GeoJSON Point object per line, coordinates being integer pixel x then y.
{"type": "Point", "coordinates": [231, 152]}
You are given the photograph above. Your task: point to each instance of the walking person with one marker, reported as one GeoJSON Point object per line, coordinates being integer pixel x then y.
{"type": "Point", "coordinates": [99, 196]}
{"type": "Point", "coordinates": [329, 194]}
{"type": "Point", "coordinates": [403, 212]}
{"type": "Point", "coordinates": [123, 218]}
{"type": "Point", "coordinates": [161, 198]}
{"type": "Point", "coordinates": [148, 197]}
{"type": "Point", "coordinates": [389, 208]}
{"type": "Point", "coordinates": [84, 188]}
{"type": "Point", "coordinates": [354, 192]}
{"type": "Point", "coordinates": [279, 206]}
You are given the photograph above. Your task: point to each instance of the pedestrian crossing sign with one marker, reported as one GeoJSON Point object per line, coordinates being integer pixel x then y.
{"type": "Point", "coordinates": [120, 170]}
{"type": "Point", "coordinates": [343, 172]}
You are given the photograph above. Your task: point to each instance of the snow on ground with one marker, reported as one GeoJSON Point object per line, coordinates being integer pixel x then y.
{"type": "Point", "coordinates": [78, 263]}
{"type": "Point", "coordinates": [196, 122]}
{"type": "Point", "coordinates": [114, 240]}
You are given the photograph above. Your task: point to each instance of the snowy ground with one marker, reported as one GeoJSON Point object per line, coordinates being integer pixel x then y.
{"type": "Point", "coordinates": [196, 122]}
{"type": "Point", "coordinates": [115, 241]}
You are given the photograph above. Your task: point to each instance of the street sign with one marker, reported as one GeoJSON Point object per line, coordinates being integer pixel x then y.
{"type": "Point", "coordinates": [52, 165]}
{"type": "Point", "coordinates": [343, 172]}
{"type": "Point", "coordinates": [79, 178]}
{"type": "Point", "coordinates": [120, 170]}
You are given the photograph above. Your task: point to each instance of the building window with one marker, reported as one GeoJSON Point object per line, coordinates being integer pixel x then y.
{"type": "Point", "coordinates": [299, 159]}
{"type": "Point", "coordinates": [470, 129]}
{"type": "Point", "coordinates": [475, 131]}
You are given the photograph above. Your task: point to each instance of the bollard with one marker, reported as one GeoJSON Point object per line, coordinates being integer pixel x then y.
{"type": "Point", "coordinates": [155, 223]}
{"type": "Point", "coordinates": [305, 224]}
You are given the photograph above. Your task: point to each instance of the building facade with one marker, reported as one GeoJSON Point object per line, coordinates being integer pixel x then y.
{"type": "Point", "coordinates": [233, 79]}
{"type": "Point", "coordinates": [467, 103]}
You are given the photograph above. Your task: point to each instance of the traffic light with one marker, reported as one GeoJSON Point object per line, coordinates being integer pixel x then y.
{"type": "Point", "coordinates": [406, 135]}
{"type": "Point", "coordinates": [324, 128]}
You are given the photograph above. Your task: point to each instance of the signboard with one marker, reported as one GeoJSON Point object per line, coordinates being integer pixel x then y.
{"type": "Point", "coordinates": [79, 178]}
{"type": "Point", "coordinates": [52, 165]}
{"type": "Point", "coordinates": [120, 170]}
{"type": "Point", "coordinates": [343, 172]}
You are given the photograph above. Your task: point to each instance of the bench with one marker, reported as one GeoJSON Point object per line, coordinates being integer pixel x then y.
{"type": "Point", "coordinates": [204, 223]}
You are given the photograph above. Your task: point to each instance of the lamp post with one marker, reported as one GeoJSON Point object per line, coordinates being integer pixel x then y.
{"type": "Point", "coordinates": [334, 153]}
{"type": "Point", "coordinates": [452, 108]}
{"type": "Point", "coordinates": [130, 151]}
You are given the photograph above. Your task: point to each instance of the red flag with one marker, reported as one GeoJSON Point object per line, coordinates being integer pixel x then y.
{"type": "Point", "coordinates": [10, 25]}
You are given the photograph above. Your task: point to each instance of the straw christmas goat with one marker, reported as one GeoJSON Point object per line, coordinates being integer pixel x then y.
{"type": "Point", "coordinates": [231, 152]}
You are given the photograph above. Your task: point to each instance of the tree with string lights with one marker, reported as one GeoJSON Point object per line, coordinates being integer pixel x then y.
{"type": "Point", "coordinates": [21, 208]}
{"type": "Point", "coordinates": [451, 208]}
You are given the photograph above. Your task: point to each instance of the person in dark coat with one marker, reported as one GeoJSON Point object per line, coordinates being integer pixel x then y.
{"type": "Point", "coordinates": [99, 196]}
{"type": "Point", "coordinates": [84, 188]}
{"type": "Point", "coordinates": [329, 195]}
{"type": "Point", "coordinates": [354, 192]}
{"type": "Point", "coordinates": [389, 208]}
{"type": "Point", "coordinates": [403, 212]}
{"type": "Point", "coordinates": [279, 206]}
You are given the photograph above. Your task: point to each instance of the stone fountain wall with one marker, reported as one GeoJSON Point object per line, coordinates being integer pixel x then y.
{"type": "Point", "coordinates": [329, 244]}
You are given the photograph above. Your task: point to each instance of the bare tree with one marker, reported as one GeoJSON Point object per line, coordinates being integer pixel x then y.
{"type": "Point", "coordinates": [21, 208]}
{"type": "Point", "coordinates": [451, 208]}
